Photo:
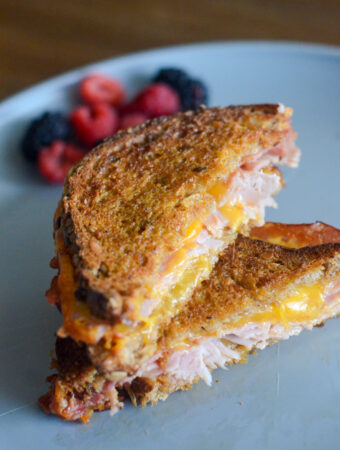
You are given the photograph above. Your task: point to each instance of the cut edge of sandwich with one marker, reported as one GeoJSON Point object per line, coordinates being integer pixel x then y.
{"type": "Point", "coordinates": [211, 334]}
{"type": "Point", "coordinates": [311, 299]}
{"type": "Point", "coordinates": [238, 203]}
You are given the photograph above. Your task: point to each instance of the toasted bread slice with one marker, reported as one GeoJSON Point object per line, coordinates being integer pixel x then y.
{"type": "Point", "coordinates": [145, 215]}
{"type": "Point", "coordinates": [258, 293]}
{"type": "Point", "coordinates": [296, 236]}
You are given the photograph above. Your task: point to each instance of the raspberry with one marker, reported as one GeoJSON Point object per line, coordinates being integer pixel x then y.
{"type": "Point", "coordinates": [192, 93]}
{"type": "Point", "coordinates": [94, 123]}
{"type": "Point", "coordinates": [132, 119]}
{"type": "Point", "coordinates": [158, 99]}
{"type": "Point", "coordinates": [56, 160]}
{"type": "Point", "coordinates": [101, 89]}
{"type": "Point", "coordinates": [42, 131]}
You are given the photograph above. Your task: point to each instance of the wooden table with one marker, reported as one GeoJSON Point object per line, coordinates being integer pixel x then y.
{"type": "Point", "coordinates": [41, 38]}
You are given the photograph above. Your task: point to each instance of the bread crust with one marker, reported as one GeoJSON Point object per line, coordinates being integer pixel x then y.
{"type": "Point", "coordinates": [247, 277]}
{"type": "Point", "coordinates": [128, 203]}
{"type": "Point", "coordinates": [297, 236]}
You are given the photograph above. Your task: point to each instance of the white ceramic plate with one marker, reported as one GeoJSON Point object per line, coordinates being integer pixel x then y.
{"type": "Point", "coordinates": [286, 397]}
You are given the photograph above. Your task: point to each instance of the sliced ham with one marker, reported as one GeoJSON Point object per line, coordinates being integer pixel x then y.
{"type": "Point", "coordinates": [285, 153]}
{"type": "Point", "coordinates": [253, 190]}
{"type": "Point", "coordinates": [186, 365]}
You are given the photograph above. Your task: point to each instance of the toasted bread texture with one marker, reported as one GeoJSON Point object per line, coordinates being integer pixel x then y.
{"type": "Point", "coordinates": [127, 205]}
{"type": "Point", "coordinates": [250, 277]}
{"type": "Point", "coordinates": [78, 389]}
{"type": "Point", "coordinates": [296, 236]}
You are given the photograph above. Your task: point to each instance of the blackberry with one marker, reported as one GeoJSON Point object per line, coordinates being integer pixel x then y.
{"type": "Point", "coordinates": [192, 93]}
{"type": "Point", "coordinates": [176, 78]}
{"type": "Point", "coordinates": [44, 130]}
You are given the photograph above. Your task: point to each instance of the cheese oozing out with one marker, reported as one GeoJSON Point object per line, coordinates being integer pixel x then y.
{"type": "Point", "coordinates": [305, 308]}
{"type": "Point", "coordinates": [237, 202]}
{"type": "Point", "coordinates": [240, 200]}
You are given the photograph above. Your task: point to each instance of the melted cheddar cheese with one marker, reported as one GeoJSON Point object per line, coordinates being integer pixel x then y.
{"type": "Point", "coordinates": [187, 270]}
{"type": "Point", "coordinates": [304, 305]}
{"type": "Point", "coordinates": [235, 215]}
{"type": "Point", "coordinates": [193, 231]}
{"type": "Point", "coordinates": [173, 300]}
{"type": "Point", "coordinates": [218, 191]}
{"type": "Point", "coordinates": [233, 212]}
{"type": "Point", "coordinates": [277, 240]}
{"type": "Point", "coordinates": [78, 320]}
{"type": "Point", "coordinates": [180, 263]}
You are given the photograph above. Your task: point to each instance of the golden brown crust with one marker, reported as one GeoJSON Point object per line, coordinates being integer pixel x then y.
{"type": "Point", "coordinates": [146, 390]}
{"type": "Point", "coordinates": [128, 203]}
{"type": "Point", "coordinates": [297, 236]}
{"type": "Point", "coordinates": [79, 389]}
{"type": "Point", "coordinates": [78, 397]}
{"type": "Point", "coordinates": [247, 277]}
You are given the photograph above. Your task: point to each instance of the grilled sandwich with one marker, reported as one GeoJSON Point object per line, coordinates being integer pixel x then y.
{"type": "Point", "coordinates": [144, 217]}
{"type": "Point", "coordinates": [258, 293]}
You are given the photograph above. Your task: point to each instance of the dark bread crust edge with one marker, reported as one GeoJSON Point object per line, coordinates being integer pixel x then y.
{"type": "Point", "coordinates": [110, 305]}
{"type": "Point", "coordinates": [74, 365]}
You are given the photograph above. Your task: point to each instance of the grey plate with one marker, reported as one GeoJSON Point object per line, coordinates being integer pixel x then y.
{"type": "Point", "coordinates": [287, 396]}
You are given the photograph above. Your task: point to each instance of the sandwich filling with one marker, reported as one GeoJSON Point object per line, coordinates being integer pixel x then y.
{"type": "Point", "coordinates": [191, 360]}
{"type": "Point", "coordinates": [239, 203]}
{"type": "Point", "coordinates": [230, 202]}
{"type": "Point", "coordinates": [231, 314]}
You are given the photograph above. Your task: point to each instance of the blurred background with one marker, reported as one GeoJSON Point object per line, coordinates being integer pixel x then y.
{"type": "Point", "coordinates": [41, 38]}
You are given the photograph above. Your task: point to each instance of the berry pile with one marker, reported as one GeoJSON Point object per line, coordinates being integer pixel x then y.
{"type": "Point", "coordinates": [192, 93]}
{"type": "Point", "coordinates": [55, 142]}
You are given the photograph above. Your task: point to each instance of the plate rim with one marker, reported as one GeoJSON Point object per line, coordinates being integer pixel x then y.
{"type": "Point", "coordinates": [72, 75]}
{"type": "Point", "coordinates": [55, 429]}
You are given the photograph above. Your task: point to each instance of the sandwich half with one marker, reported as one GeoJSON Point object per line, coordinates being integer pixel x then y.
{"type": "Point", "coordinates": [144, 217]}
{"type": "Point", "coordinates": [269, 286]}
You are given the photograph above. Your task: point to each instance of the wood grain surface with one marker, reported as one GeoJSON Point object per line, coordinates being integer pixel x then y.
{"type": "Point", "coordinates": [42, 38]}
